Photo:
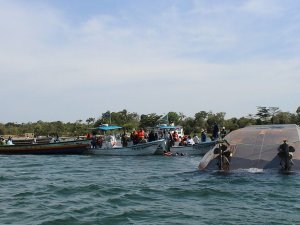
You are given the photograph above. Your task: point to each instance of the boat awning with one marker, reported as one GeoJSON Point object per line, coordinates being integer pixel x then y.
{"type": "Point", "coordinates": [167, 127]}
{"type": "Point", "coordinates": [105, 128]}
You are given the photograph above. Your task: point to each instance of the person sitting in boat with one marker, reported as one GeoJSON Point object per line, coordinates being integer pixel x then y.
{"type": "Point", "coordinates": [56, 139]}
{"type": "Point", "coordinates": [175, 136]}
{"type": "Point", "coordinates": [88, 136]}
{"type": "Point", "coordinates": [9, 141]}
{"type": "Point", "coordinates": [190, 141]}
{"type": "Point", "coordinates": [196, 139]}
{"type": "Point", "coordinates": [124, 140]}
{"type": "Point", "coordinates": [2, 141]}
{"type": "Point", "coordinates": [99, 141]}
{"type": "Point", "coordinates": [113, 140]}
{"type": "Point", "coordinates": [203, 135]}
{"type": "Point", "coordinates": [134, 137]}
{"type": "Point", "coordinates": [183, 141]}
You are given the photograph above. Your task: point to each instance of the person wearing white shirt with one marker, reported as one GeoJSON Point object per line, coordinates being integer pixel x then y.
{"type": "Point", "coordinates": [190, 141]}
{"type": "Point", "coordinates": [196, 139]}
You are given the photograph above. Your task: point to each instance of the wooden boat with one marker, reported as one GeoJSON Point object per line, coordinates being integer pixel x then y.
{"type": "Point", "coordinates": [255, 147]}
{"type": "Point", "coordinates": [29, 141]}
{"type": "Point", "coordinates": [67, 147]}
{"type": "Point", "coordinates": [196, 149]}
{"type": "Point", "coordinates": [142, 149]}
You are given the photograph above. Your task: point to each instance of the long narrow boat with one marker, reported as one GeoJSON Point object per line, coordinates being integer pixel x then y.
{"type": "Point", "coordinates": [142, 149]}
{"type": "Point", "coordinates": [67, 147]}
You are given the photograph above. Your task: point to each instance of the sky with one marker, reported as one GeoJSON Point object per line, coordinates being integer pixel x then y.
{"type": "Point", "coordinates": [72, 60]}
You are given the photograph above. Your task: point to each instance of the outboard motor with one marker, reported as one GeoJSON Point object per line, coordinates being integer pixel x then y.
{"type": "Point", "coordinates": [286, 155]}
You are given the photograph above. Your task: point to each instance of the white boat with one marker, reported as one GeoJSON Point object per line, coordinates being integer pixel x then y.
{"type": "Point", "coordinates": [197, 149]}
{"type": "Point", "coordinates": [112, 147]}
{"type": "Point", "coordinates": [142, 149]}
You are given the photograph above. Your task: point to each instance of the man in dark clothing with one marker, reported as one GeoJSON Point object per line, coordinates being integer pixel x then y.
{"type": "Point", "coordinates": [215, 132]}
{"type": "Point", "coordinates": [203, 136]}
{"type": "Point", "coordinates": [285, 156]}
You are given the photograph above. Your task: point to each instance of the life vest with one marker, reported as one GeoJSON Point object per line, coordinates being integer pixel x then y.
{"type": "Point", "coordinates": [141, 134]}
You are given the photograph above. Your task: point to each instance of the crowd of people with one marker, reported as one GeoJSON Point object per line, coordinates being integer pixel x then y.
{"type": "Point", "coordinates": [171, 136]}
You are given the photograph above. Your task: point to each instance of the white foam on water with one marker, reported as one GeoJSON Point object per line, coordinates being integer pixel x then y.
{"type": "Point", "coordinates": [252, 170]}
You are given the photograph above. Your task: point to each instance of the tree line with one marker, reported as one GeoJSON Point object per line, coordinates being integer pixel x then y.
{"type": "Point", "coordinates": [132, 120]}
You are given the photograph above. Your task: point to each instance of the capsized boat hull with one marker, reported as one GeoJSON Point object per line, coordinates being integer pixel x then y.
{"type": "Point", "coordinates": [257, 147]}
{"type": "Point", "coordinates": [68, 147]}
{"type": "Point", "coordinates": [142, 149]}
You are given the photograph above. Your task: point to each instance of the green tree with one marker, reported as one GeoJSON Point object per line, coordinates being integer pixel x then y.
{"type": "Point", "coordinates": [200, 120]}
{"type": "Point", "coordinates": [263, 113]}
{"type": "Point", "coordinates": [174, 117]}
{"type": "Point", "coordinates": [149, 120]}
{"type": "Point", "coordinates": [283, 118]}
{"type": "Point", "coordinates": [90, 120]}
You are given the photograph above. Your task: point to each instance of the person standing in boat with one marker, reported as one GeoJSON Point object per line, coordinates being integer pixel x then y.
{"type": "Point", "coordinates": [285, 154]}
{"type": "Point", "coordinates": [215, 132]}
{"type": "Point", "coordinates": [203, 135]}
{"type": "Point", "coordinates": [94, 141]}
{"type": "Point", "coordinates": [151, 136]}
{"type": "Point", "coordinates": [141, 135]}
{"type": "Point", "coordinates": [175, 137]}
{"type": "Point", "coordinates": [223, 132]}
{"type": "Point", "coordinates": [134, 137]}
{"type": "Point", "coordinates": [167, 137]}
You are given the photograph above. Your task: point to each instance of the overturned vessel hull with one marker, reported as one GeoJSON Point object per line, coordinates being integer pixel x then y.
{"type": "Point", "coordinates": [257, 147]}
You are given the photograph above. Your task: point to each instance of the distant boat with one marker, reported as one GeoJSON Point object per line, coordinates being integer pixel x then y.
{"type": "Point", "coordinates": [65, 147]}
{"type": "Point", "coordinates": [255, 147]}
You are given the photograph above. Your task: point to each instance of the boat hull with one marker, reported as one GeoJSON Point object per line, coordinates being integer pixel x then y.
{"type": "Point", "coordinates": [257, 147]}
{"type": "Point", "coordinates": [196, 149]}
{"type": "Point", "coordinates": [68, 147]}
{"type": "Point", "coordinates": [143, 149]}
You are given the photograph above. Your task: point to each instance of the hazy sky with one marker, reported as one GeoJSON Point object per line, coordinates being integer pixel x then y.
{"type": "Point", "coordinates": [68, 60]}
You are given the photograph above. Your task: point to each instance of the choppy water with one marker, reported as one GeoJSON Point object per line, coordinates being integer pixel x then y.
{"type": "Point", "coordinates": [141, 190]}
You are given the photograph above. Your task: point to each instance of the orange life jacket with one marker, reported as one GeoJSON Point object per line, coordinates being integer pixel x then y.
{"type": "Point", "coordinates": [141, 134]}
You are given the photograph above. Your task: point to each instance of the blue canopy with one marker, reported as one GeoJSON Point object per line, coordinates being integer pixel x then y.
{"type": "Point", "coordinates": [111, 127]}
{"type": "Point", "coordinates": [167, 127]}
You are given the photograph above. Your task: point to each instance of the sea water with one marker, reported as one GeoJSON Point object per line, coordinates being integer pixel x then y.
{"type": "Point", "coordinates": [81, 189]}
